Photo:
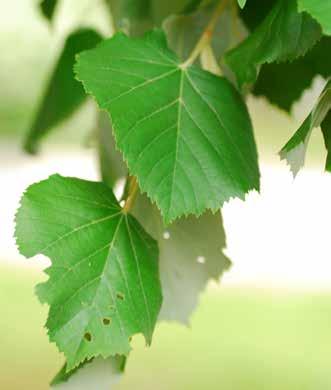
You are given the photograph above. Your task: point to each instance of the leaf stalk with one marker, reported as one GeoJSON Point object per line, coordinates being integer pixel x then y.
{"type": "Point", "coordinates": [133, 191]}
{"type": "Point", "coordinates": [206, 35]}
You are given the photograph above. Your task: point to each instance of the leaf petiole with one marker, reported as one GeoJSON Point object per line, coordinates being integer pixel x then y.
{"type": "Point", "coordinates": [132, 194]}
{"type": "Point", "coordinates": [206, 35]}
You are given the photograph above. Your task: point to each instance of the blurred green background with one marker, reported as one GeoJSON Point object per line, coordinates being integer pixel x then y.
{"type": "Point", "coordinates": [241, 338]}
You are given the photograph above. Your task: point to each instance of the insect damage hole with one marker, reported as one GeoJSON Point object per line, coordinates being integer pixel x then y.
{"type": "Point", "coordinates": [106, 321]}
{"type": "Point", "coordinates": [88, 336]}
{"type": "Point", "coordinates": [120, 296]}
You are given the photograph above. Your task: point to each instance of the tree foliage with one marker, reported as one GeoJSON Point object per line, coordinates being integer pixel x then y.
{"type": "Point", "coordinates": [172, 81]}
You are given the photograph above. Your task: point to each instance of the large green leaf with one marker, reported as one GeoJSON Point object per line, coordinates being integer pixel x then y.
{"type": "Point", "coordinates": [185, 133]}
{"type": "Point", "coordinates": [294, 151]}
{"type": "Point", "coordinates": [242, 3]}
{"type": "Point", "coordinates": [320, 10]}
{"type": "Point", "coordinates": [283, 84]}
{"type": "Point", "coordinates": [48, 8]}
{"type": "Point", "coordinates": [100, 374]}
{"type": "Point", "coordinates": [103, 284]}
{"type": "Point", "coordinates": [63, 94]}
{"type": "Point", "coordinates": [191, 254]}
{"type": "Point", "coordinates": [284, 34]}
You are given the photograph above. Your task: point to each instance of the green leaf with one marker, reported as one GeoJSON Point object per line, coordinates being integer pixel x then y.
{"type": "Point", "coordinates": [320, 10]}
{"type": "Point", "coordinates": [99, 373]}
{"type": "Point", "coordinates": [191, 254]}
{"type": "Point", "coordinates": [48, 8]}
{"type": "Point", "coordinates": [255, 12]}
{"type": "Point", "coordinates": [112, 166]}
{"type": "Point", "coordinates": [63, 94]}
{"type": "Point", "coordinates": [63, 375]}
{"type": "Point", "coordinates": [326, 130]}
{"type": "Point", "coordinates": [242, 3]}
{"type": "Point", "coordinates": [185, 133]}
{"type": "Point", "coordinates": [103, 284]}
{"type": "Point", "coordinates": [294, 151]}
{"type": "Point", "coordinates": [283, 84]}
{"type": "Point", "coordinates": [284, 35]}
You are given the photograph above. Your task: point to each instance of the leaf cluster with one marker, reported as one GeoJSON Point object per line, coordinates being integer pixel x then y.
{"type": "Point", "coordinates": [171, 83]}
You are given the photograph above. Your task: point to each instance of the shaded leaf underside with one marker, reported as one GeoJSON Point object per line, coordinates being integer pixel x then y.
{"type": "Point", "coordinates": [283, 35]}
{"type": "Point", "coordinates": [320, 10]}
{"type": "Point", "coordinates": [63, 94]}
{"type": "Point", "coordinates": [100, 374]}
{"type": "Point", "coordinates": [284, 83]}
{"type": "Point", "coordinates": [294, 151]}
{"type": "Point", "coordinates": [191, 254]}
{"type": "Point", "coordinates": [48, 8]}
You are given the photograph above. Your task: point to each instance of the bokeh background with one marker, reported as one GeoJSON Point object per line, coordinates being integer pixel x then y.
{"type": "Point", "coordinates": [267, 326]}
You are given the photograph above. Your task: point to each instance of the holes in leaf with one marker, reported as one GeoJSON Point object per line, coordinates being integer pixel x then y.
{"type": "Point", "coordinates": [120, 296]}
{"type": "Point", "coordinates": [201, 259]}
{"type": "Point", "coordinates": [88, 336]}
{"type": "Point", "coordinates": [106, 321]}
{"type": "Point", "coordinates": [122, 203]}
{"type": "Point", "coordinates": [166, 235]}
